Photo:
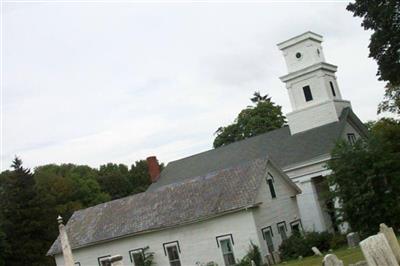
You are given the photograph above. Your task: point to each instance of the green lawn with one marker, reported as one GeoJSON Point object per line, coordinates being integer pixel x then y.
{"type": "Point", "coordinates": [352, 255]}
{"type": "Point", "coordinates": [345, 254]}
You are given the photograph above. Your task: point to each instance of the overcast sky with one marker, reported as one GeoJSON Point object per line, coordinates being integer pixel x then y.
{"type": "Point", "coordinates": [91, 83]}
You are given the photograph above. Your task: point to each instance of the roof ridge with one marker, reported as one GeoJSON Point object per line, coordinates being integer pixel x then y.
{"type": "Point", "coordinates": [230, 144]}
{"type": "Point", "coordinates": [183, 181]}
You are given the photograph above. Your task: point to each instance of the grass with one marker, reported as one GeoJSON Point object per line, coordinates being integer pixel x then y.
{"type": "Point", "coordinates": [347, 255]}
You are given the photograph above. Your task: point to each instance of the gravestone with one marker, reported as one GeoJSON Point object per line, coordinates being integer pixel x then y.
{"type": "Point", "coordinates": [332, 260]}
{"type": "Point", "coordinates": [377, 251]}
{"type": "Point", "coordinates": [316, 251]}
{"type": "Point", "coordinates": [253, 263]}
{"type": "Point", "coordinates": [360, 263]}
{"type": "Point", "coordinates": [353, 239]}
{"type": "Point", "coordinates": [392, 240]}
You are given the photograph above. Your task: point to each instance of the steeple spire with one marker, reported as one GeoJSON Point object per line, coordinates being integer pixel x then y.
{"type": "Point", "coordinates": [311, 82]}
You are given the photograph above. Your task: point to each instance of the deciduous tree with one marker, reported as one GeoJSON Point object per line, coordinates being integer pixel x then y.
{"type": "Point", "coordinates": [366, 178]}
{"type": "Point", "coordinates": [251, 121]}
{"type": "Point", "coordinates": [383, 19]}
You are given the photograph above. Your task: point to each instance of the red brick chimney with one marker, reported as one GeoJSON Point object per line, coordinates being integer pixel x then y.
{"type": "Point", "coordinates": [154, 168]}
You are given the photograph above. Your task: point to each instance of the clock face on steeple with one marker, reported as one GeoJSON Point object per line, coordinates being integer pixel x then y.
{"type": "Point", "coordinates": [298, 55]}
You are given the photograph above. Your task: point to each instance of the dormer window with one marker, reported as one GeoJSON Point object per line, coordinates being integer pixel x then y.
{"type": "Point", "coordinates": [307, 93]}
{"type": "Point", "coordinates": [332, 89]}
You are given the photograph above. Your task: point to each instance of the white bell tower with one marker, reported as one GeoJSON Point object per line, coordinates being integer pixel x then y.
{"type": "Point", "coordinates": [311, 83]}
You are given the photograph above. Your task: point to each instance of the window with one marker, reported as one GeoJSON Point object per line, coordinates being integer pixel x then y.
{"type": "Point", "coordinates": [296, 226]}
{"type": "Point", "coordinates": [137, 256]}
{"type": "Point", "coordinates": [173, 251]}
{"type": "Point", "coordinates": [332, 89]}
{"type": "Point", "coordinates": [268, 237]}
{"type": "Point", "coordinates": [351, 138]}
{"type": "Point", "coordinates": [227, 252]}
{"type": "Point", "coordinates": [282, 230]}
{"type": "Point", "coordinates": [270, 181]}
{"type": "Point", "coordinates": [307, 93]}
{"type": "Point", "coordinates": [103, 261]}
{"type": "Point", "coordinates": [78, 263]}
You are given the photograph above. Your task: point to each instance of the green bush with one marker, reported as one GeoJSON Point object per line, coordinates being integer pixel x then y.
{"type": "Point", "coordinates": [300, 244]}
{"type": "Point", "coordinates": [253, 254]}
{"type": "Point", "coordinates": [338, 241]}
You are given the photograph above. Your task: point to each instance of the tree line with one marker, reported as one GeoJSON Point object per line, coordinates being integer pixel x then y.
{"type": "Point", "coordinates": [31, 201]}
{"type": "Point", "coordinates": [366, 175]}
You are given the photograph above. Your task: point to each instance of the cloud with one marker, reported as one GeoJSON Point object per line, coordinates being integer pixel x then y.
{"type": "Point", "coordinates": [96, 83]}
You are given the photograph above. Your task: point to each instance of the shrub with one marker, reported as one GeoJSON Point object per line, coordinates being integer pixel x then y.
{"type": "Point", "coordinates": [320, 240]}
{"type": "Point", "coordinates": [300, 244]}
{"type": "Point", "coordinates": [295, 246]}
{"type": "Point", "coordinates": [253, 254]}
{"type": "Point", "coordinates": [338, 241]}
{"type": "Point", "coordinates": [147, 258]}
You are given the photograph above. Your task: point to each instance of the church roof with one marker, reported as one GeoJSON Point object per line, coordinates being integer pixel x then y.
{"type": "Point", "coordinates": [279, 145]}
{"type": "Point", "coordinates": [191, 200]}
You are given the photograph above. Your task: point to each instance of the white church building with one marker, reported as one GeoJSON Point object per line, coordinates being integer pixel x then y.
{"type": "Point", "coordinates": [210, 206]}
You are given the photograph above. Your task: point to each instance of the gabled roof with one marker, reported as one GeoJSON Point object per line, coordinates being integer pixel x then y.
{"type": "Point", "coordinates": [194, 199]}
{"type": "Point", "coordinates": [283, 148]}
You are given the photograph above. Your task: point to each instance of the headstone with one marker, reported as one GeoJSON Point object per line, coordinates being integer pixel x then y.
{"type": "Point", "coordinates": [377, 251]}
{"type": "Point", "coordinates": [253, 263]}
{"type": "Point", "coordinates": [332, 260]}
{"type": "Point", "coordinates": [360, 263]}
{"type": "Point", "coordinates": [353, 239]}
{"type": "Point", "coordinates": [316, 251]}
{"type": "Point", "coordinates": [66, 248]}
{"type": "Point", "coordinates": [277, 257]}
{"type": "Point", "coordinates": [391, 239]}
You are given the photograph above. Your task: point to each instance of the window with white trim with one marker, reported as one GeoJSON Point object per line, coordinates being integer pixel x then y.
{"type": "Point", "coordinates": [351, 137]}
{"type": "Point", "coordinates": [103, 261]}
{"type": "Point", "coordinates": [137, 256]}
{"type": "Point", "coordinates": [268, 237]}
{"type": "Point", "coordinates": [270, 182]}
{"type": "Point", "coordinates": [332, 88]}
{"type": "Point", "coordinates": [227, 251]}
{"type": "Point", "coordinates": [296, 226]}
{"type": "Point", "coordinates": [307, 93]}
{"type": "Point", "coordinates": [173, 255]}
{"type": "Point", "coordinates": [282, 230]}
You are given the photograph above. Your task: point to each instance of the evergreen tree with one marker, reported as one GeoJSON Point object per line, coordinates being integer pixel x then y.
{"type": "Point", "coordinates": [22, 214]}
{"type": "Point", "coordinates": [251, 121]}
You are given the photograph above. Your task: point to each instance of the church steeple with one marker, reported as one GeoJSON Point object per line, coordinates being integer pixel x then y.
{"type": "Point", "coordinates": [311, 82]}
